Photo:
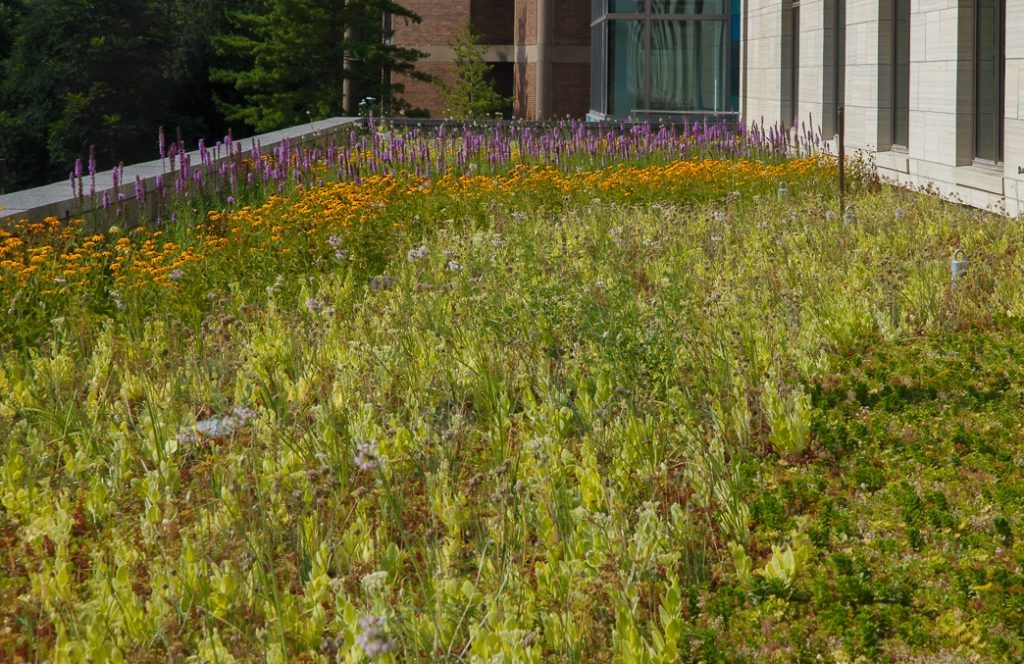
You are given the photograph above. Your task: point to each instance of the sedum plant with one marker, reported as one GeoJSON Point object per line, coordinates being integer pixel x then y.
{"type": "Point", "coordinates": [789, 418]}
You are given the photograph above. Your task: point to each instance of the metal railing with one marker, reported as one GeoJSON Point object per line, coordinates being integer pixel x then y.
{"type": "Point", "coordinates": [662, 115]}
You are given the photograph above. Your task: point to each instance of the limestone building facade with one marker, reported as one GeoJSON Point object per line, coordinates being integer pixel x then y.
{"type": "Point", "coordinates": [932, 89]}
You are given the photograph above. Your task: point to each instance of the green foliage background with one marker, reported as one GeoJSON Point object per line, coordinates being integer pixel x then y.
{"type": "Point", "coordinates": [81, 73]}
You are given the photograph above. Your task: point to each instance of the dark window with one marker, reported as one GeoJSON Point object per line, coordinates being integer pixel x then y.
{"type": "Point", "coordinates": [989, 71]}
{"type": "Point", "coordinates": [734, 56]}
{"type": "Point", "coordinates": [901, 73]}
{"type": "Point", "coordinates": [839, 61]}
{"type": "Point", "coordinates": [791, 60]}
{"type": "Point", "coordinates": [502, 78]}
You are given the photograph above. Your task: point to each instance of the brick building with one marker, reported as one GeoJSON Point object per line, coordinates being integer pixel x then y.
{"type": "Point", "coordinates": [602, 58]}
{"type": "Point", "coordinates": [539, 51]}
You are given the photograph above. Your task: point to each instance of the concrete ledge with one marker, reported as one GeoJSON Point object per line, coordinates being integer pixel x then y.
{"type": "Point", "coordinates": [985, 178]}
{"type": "Point", "coordinates": [58, 199]}
{"type": "Point", "coordinates": [893, 160]}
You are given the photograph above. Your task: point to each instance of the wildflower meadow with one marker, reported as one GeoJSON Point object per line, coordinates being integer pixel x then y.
{"type": "Point", "coordinates": [512, 394]}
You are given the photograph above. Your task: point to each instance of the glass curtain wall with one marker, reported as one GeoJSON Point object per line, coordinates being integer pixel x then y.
{"type": "Point", "coordinates": [626, 78]}
{"type": "Point", "coordinates": [664, 56]}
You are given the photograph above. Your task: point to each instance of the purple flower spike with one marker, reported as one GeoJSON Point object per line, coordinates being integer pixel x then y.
{"type": "Point", "coordinates": [374, 639]}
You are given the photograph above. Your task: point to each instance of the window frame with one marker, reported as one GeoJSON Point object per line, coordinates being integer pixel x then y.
{"type": "Point", "coordinates": [999, 80]}
{"type": "Point", "coordinates": [600, 53]}
{"type": "Point", "coordinates": [793, 62]}
{"type": "Point", "coordinates": [894, 121]}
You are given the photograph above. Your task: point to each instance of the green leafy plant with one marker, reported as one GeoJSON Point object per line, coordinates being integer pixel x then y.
{"type": "Point", "coordinates": [786, 562]}
{"type": "Point", "coordinates": [789, 416]}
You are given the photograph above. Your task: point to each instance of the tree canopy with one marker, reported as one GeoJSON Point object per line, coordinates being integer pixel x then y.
{"type": "Point", "coordinates": [110, 73]}
{"type": "Point", "coordinates": [294, 59]}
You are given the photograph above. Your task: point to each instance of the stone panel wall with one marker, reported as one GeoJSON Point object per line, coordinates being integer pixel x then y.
{"type": "Point", "coordinates": [1013, 127]}
{"type": "Point", "coordinates": [940, 149]}
{"type": "Point", "coordinates": [761, 61]}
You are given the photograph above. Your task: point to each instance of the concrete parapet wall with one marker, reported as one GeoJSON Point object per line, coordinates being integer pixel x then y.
{"type": "Point", "coordinates": [58, 200]}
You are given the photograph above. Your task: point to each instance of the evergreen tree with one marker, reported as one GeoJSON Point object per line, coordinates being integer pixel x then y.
{"type": "Point", "coordinates": [10, 14]}
{"type": "Point", "coordinates": [472, 95]}
{"type": "Point", "coordinates": [293, 59]}
{"type": "Point", "coordinates": [106, 73]}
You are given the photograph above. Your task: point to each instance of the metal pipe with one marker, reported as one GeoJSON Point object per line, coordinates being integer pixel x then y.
{"type": "Point", "coordinates": [842, 157]}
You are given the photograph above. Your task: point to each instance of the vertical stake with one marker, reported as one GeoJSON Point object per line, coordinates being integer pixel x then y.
{"type": "Point", "coordinates": [842, 158]}
{"type": "Point", "coordinates": [3, 174]}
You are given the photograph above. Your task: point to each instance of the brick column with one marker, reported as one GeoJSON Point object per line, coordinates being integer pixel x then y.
{"type": "Point", "coordinates": [543, 108]}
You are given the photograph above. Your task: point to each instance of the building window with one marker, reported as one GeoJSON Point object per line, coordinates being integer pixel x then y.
{"type": "Point", "coordinates": [838, 60]}
{"type": "Point", "coordinates": [989, 71]}
{"type": "Point", "coordinates": [901, 73]}
{"type": "Point", "coordinates": [791, 60]}
{"type": "Point", "coordinates": [626, 79]}
{"type": "Point", "coordinates": [734, 56]}
{"type": "Point", "coordinates": [664, 57]}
